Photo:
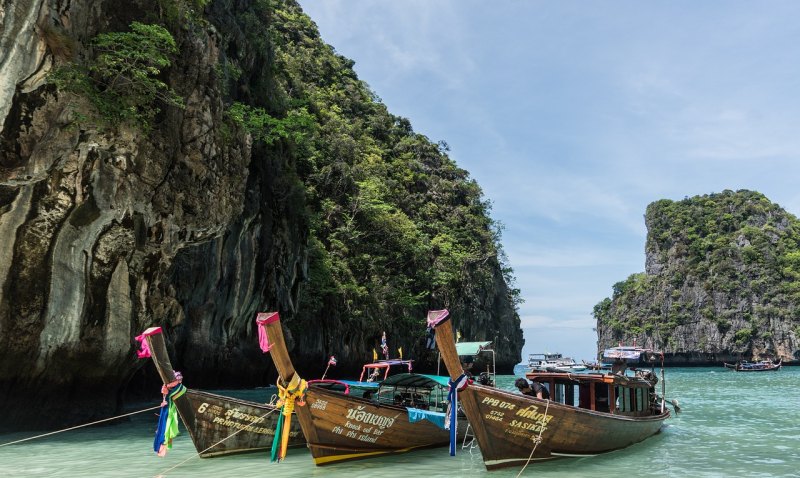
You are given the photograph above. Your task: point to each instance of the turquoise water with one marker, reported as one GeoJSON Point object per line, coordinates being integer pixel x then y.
{"type": "Point", "coordinates": [731, 425]}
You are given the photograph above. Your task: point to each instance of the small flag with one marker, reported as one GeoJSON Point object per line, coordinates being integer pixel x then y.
{"type": "Point", "coordinates": [400, 351]}
{"type": "Point", "coordinates": [430, 341]}
{"type": "Point", "coordinates": [384, 346]}
{"type": "Point", "coordinates": [331, 361]}
{"type": "Point", "coordinates": [374, 355]}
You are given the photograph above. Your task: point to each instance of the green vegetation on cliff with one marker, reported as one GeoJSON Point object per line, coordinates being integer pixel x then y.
{"type": "Point", "coordinates": [395, 226]}
{"type": "Point", "coordinates": [376, 222]}
{"type": "Point", "coordinates": [122, 79]}
{"type": "Point", "coordinates": [723, 276]}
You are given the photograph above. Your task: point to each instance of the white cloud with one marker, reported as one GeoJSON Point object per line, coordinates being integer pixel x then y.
{"type": "Point", "coordinates": [572, 136]}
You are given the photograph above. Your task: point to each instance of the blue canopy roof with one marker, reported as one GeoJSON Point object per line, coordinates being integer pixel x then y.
{"type": "Point", "coordinates": [361, 385]}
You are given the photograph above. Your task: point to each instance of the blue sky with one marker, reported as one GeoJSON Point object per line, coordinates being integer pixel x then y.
{"type": "Point", "coordinates": [574, 116]}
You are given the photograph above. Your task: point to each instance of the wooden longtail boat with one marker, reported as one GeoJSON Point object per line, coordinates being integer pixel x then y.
{"type": "Point", "coordinates": [219, 425]}
{"type": "Point", "coordinates": [341, 427]}
{"type": "Point", "coordinates": [514, 429]}
{"type": "Point", "coordinates": [762, 366]}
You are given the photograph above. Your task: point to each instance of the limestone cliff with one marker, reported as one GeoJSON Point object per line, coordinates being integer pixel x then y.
{"type": "Point", "coordinates": [196, 222]}
{"type": "Point", "coordinates": [722, 283]}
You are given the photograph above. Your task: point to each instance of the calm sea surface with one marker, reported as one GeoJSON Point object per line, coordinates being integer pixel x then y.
{"type": "Point", "coordinates": [731, 425]}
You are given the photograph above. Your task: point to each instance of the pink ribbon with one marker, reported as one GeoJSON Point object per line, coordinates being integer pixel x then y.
{"type": "Point", "coordinates": [262, 319]}
{"type": "Point", "coordinates": [436, 316]}
{"type": "Point", "coordinates": [144, 348]}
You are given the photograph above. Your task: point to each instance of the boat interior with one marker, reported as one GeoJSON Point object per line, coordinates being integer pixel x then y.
{"type": "Point", "coordinates": [609, 393]}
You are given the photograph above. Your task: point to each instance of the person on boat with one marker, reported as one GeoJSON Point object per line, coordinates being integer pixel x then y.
{"type": "Point", "coordinates": [532, 389]}
{"type": "Point", "coordinates": [618, 367]}
{"type": "Point", "coordinates": [374, 376]}
{"type": "Point", "coordinates": [466, 365]}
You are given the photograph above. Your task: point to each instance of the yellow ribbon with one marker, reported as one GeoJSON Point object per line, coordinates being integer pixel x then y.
{"type": "Point", "coordinates": [287, 396]}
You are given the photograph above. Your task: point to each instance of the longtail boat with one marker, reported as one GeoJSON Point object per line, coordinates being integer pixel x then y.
{"type": "Point", "coordinates": [590, 413]}
{"type": "Point", "coordinates": [217, 424]}
{"type": "Point", "coordinates": [761, 366]}
{"type": "Point", "coordinates": [405, 413]}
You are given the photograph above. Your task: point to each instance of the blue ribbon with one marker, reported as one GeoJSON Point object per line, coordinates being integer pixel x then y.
{"type": "Point", "coordinates": [452, 397]}
{"type": "Point", "coordinates": [161, 430]}
{"type": "Point", "coordinates": [162, 427]}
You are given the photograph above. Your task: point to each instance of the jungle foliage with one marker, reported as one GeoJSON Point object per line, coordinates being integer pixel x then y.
{"type": "Point", "coordinates": [730, 259]}
{"type": "Point", "coordinates": [396, 226]}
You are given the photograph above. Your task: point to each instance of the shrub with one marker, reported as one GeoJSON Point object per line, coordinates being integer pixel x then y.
{"type": "Point", "coordinates": [122, 81]}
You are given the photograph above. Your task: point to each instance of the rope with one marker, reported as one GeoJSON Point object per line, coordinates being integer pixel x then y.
{"type": "Point", "coordinates": [80, 426]}
{"type": "Point", "coordinates": [538, 439]}
{"type": "Point", "coordinates": [212, 446]}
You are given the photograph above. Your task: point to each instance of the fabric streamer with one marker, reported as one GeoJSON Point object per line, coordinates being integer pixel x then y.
{"type": "Point", "coordinates": [451, 419]}
{"type": "Point", "coordinates": [287, 396]}
{"type": "Point", "coordinates": [168, 417]}
{"type": "Point", "coordinates": [437, 418]}
{"type": "Point", "coordinates": [262, 319]}
{"type": "Point", "coordinates": [144, 346]}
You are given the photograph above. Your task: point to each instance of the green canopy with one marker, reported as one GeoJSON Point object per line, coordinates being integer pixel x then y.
{"type": "Point", "coordinates": [471, 348]}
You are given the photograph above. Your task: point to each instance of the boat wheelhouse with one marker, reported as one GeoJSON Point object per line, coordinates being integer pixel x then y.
{"type": "Point", "coordinates": [468, 351]}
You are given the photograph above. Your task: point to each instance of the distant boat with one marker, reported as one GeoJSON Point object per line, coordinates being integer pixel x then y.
{"type": "Point", "coordinates": [760, 366]}
{"type": "Point", "coordinates": [589, 413]}
{"type": "Point", "coordinates": [596, 365]}
{"type": "Point", "coordinates": [554, 361]}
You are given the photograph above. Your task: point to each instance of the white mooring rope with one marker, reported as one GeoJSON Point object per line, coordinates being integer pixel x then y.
{"type": "Point", "coordinates": [80, 426]}
{"type": "Point", "coordinates": [538, 439]}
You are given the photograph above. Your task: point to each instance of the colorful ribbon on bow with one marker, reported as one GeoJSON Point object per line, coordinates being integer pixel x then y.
{"type": "Point", "coordinates": [168, 418]}
{"type": "Point", "coordinates": [451, 420]}
{"type": "Point", "coordinates": [144, 347]}
{"type": "Point", "coordinates": [262, 319]}
{"type": "Point", "coordinates": [287, 395]}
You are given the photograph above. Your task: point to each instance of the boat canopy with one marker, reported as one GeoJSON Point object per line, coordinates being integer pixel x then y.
{"type": "Point", "coordinates": [471, 348]}
{"type": "Point", "coordinates": [384, 365]}
{"type": "Point", "coordinates": [417, 380]}
{"type": "Point", "coordinates": [629, 353]}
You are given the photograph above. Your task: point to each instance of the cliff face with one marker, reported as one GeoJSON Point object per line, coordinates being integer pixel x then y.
{"type": "Point", "coordinates": [721, 283]}
{"type": "Point", "coordinates": [191, 224]}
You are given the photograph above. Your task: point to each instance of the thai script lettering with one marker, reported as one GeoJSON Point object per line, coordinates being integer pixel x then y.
{"type": "Point", "coordinates": [236, 414]}
{"type": "Point", "coordinates": [532, 412]}
{"type": "Point", "coordinates": [358, 414]}
{"type": "Point", "coordinates": [320, 405]}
